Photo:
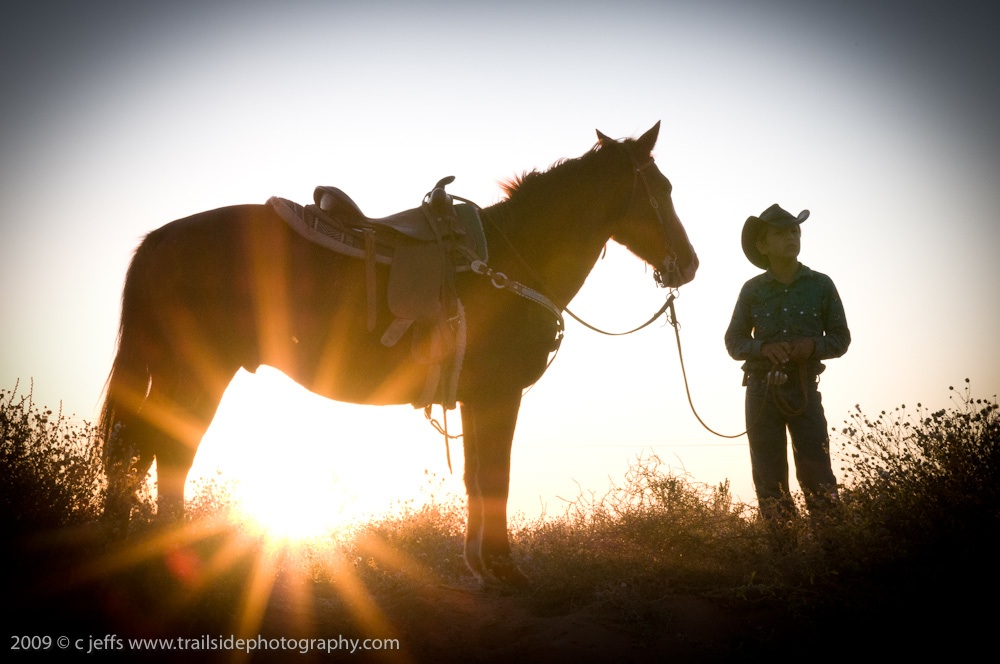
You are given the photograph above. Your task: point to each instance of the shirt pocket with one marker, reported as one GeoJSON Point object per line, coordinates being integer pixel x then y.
{"type": "Point", "coordinates": [765, 318]}
{"type": "Point", "coordinates": [807, 319]}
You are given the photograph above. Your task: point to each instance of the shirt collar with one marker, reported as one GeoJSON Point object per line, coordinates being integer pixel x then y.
{"type": "Point", "coordinates": [803, 271]}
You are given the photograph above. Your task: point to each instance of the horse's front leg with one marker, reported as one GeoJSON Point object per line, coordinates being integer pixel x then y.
{"type": "Point", "coordinates": [488, 431]}
{"type": "Point", "coordinates": [474, 524]}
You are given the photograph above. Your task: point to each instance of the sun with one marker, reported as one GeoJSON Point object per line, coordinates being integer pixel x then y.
{"type": "Point", "coordinates": [298, 466]}
{"type": "Point", "coordinates": [292, 500]}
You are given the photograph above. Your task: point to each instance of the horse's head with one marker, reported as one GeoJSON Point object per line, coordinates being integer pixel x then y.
{"type": "Point", "coordinates": [650, 227]}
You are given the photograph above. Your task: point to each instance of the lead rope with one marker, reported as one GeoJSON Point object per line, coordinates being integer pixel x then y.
{"type": "Point", "coordinates": [674, 323]}
{"type": "Point", "coordinates": [779, 401]}
{"type": "Point", "coordinates": [672, 319]}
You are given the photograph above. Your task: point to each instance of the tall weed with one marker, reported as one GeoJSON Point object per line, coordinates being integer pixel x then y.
{"type": "Point", "coordinates": [923, 477]}
{"type": "Point", "coordinates": [51, 467]}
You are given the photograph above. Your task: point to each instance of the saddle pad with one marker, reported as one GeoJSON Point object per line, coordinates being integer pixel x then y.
{"type": "Point", "coordinates": [318, 231]}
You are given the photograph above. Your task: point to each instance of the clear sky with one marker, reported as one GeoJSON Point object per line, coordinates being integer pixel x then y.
{"type": "Point", "coordinates": [879, 117]}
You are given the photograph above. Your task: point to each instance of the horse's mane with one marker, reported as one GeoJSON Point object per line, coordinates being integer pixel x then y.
{"type": "Point", "coordinates": [567, 170]}
{"type": "Point", "coordinates": [515, 183]}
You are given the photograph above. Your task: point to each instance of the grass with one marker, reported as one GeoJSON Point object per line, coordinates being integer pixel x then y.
{"type": "Point", "coordinates": [911, 539]}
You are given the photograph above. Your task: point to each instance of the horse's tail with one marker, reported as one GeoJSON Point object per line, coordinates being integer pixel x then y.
{"type": "Point", "coordinates": [131, 375]}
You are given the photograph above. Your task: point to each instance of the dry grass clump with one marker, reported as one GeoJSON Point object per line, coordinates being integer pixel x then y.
{"type": "Point", "coordinates": [919, 510]}
{"type": "Point", "coordinates": [418, 542]}
{"type": "Point", "coordinates": [657, 532]}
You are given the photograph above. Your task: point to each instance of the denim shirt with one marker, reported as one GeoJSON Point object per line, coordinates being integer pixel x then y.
{"type": "Point", "coordinates": [768, 310]}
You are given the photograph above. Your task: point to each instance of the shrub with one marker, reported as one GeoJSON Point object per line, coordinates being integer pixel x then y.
{"type": "Point", "coordinates": [924, 475]}
{"type": "Point", "coordinates": [924, 464]}
{"type": "Point", "coordinates": [51, 467]}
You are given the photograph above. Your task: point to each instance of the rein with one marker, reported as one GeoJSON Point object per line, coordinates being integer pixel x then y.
{"type": "Point", "coordinates": [662, 310]}
{"type": "Point", "coordinates": [672, 319]}
{"type": "Point", "coordinates": [775, 378]}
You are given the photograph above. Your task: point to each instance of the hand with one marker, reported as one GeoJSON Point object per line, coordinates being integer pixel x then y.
{"type": "Point", "coordinates": [802, 348]}
{"type": "Point", "coordinates": [777, 352]}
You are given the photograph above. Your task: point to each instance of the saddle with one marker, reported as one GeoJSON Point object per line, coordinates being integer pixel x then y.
{"type": "Point", "coordinates": [424, 248]}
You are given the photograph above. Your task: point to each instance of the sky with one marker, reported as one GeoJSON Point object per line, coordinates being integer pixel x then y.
{"type": "Point", "coordinates": [878, 117]}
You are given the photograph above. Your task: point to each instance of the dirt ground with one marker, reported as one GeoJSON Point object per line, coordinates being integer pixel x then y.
{"type": "Point", "coordinates": [439, 622]}
{"type": "Point", "coordinates": [430, 621]}
{"type": "Point", "coordinates": [449, 620]}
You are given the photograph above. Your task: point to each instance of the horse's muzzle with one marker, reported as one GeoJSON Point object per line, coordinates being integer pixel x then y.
{"type": "Point", "coordinates": [674, 274]}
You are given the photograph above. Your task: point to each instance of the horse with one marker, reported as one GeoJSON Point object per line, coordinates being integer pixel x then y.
{"type": "Point", "coordinates": [235, 288]}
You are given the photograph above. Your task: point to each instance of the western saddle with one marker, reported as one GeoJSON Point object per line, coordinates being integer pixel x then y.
{"type": "Point", "coordinates": [424, 248]}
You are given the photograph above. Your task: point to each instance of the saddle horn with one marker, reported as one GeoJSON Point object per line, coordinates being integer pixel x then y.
{"type": "Point", "coordinates": [439, 200]}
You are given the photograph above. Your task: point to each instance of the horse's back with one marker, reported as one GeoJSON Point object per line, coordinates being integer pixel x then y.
{"type": "Point", "coordinates": [204, 234]}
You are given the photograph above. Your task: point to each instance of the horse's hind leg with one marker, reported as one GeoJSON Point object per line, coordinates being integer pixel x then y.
{"type": "Point", "coordinates": [165, 425]}
{"type": "Point", "coordinates": [127, 462]}
{"type": "Point", "coordinates": [488, 432]}
{"type": "Point", "coordinates": [182, 408]}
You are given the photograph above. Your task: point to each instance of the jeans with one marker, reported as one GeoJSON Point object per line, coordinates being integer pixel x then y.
{"type": "Point", "coordinates": [767, 422]}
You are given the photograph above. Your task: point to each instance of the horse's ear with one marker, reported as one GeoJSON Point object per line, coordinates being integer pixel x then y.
{"type": "Point", "coordinates": [646, 142]}
{"type": "Point", "coordinates": [602, 139]}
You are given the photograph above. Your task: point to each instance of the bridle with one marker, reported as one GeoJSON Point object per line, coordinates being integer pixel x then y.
{"type": "Point", "coordinates": [670, 263]}
{"type": "Point", "coordinates": [501, 281]}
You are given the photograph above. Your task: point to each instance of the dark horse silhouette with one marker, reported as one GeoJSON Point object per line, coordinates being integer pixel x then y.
{"type": "Point", "coordinates": [236, 287]}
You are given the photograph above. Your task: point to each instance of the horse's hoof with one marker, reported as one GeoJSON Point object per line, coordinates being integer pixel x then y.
{"type": "Point", "coordinates": [474, 562]}
{"type": "Point", "coordinates": [505, 571]}
{"type": "Point", "coordinates": [114, 530]}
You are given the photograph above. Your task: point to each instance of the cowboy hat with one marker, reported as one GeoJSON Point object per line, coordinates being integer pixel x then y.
{"type": "Point", "coordinates": [772, 216]}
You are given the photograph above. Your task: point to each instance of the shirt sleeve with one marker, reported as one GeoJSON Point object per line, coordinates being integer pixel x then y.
{"type": "Point", "coordinates": [739, 338]}
{"type": "Point", "coordinates": [836, 335]}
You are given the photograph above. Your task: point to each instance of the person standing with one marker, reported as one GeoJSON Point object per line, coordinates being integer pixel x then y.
{"type": "Point", "coordinates": [786, 321]}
